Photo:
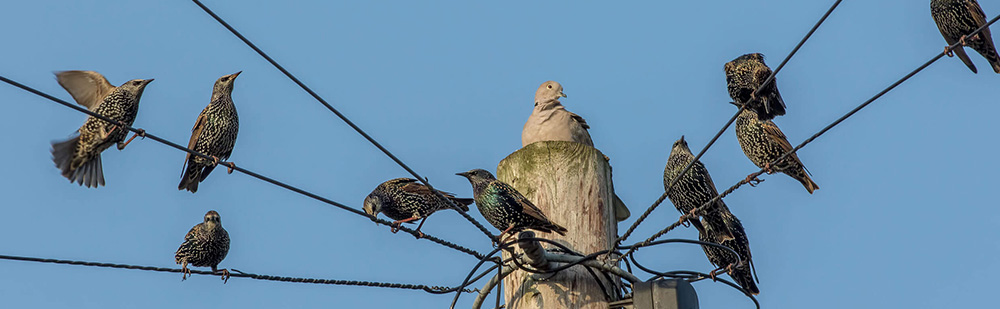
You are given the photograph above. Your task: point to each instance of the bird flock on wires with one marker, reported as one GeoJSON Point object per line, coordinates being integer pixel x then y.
{"type": "Point", "coordinates": [406, 200]}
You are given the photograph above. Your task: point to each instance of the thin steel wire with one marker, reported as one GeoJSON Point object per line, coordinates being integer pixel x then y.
{"type": "Point", "coordinates": [151, 136]}
{"type": "Point", "coordinates": [344, 118]}
{"type": "Point", "coordinates": [707, 206]}
{"type": "Point", "coordinates": [770, 78]}
{"type": "Point", "coordinates": [239, 274]}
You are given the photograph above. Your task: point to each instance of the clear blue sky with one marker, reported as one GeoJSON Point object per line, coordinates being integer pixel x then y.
{"type": "Point", "coordinates": [903, 218]}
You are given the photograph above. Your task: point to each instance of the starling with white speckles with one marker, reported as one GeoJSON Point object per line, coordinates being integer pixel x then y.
{"type": "Point", "coordinates": [205, 245]}
{"type": "Point", "coordinates": [505, 208]}
{"type": "Point", "coordinates": [763, 143]}
{"type": "Point", "coordinates": [406, 200]}
{"type": "Point", "coordinates": [743, 273]}
{"type": "Point", "coordinates": [956, 19]}
{"type": "Point", "coordinates": [214, 134]}
{"type": "Point", "coordinates": [695, 188]}
{"type": "Point", "coordinates": [79, 158]}
{"type": "Point", "coordinates": [744, 75]}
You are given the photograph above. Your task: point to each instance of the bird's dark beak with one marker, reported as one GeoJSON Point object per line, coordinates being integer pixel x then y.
{"type": "Point", "coordinates": [234, 75]}
{"type": "Point", "coordinates": [735, 103]}
{"type": "Point", "coordinates": [463, 174]}
{"type": "Point", "coordinates": [145, 82]}
{"type": "Point", "coordinates": [561, 94]}
{"type": "Point", "coordinates": [682, 138]}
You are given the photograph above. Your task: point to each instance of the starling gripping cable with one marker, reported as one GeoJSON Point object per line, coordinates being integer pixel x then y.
{"type": "Point", "coordinates": [731, 120]}
{"type": "Point", "coordinates": [144, 134]}
{"type": "Point", "coordinates": [706, 207]}
{"type": "Point", "coordinates": [238, 274]}
{"type": "Point", "coordinates": [342, 117]}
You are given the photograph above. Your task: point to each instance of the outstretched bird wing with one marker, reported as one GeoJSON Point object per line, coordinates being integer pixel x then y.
{"type": "Point", "coordinates": [88, 88]}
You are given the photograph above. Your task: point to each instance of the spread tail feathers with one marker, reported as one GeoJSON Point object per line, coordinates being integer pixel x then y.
{"type": "Point", "coordinates": [463, 203]}
{"type": "Point", "coordinates": [89, 174]}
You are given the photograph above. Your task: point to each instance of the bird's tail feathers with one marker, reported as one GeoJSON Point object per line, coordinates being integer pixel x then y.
{"type": "Point", "coordinates": [463, 203]}
{"type": "Point", "coordinates": [191, 176]}
{"type": "Point", "coordinates": [89, 174]}
{"type": "Point", "coordinates": [743, 276]}
{"type": "Point", "coordinates": [960, 52]}
{"type": "Point", "coordinates": [555, 228]}
{"type": "Point", "coordinates": [807, 182]}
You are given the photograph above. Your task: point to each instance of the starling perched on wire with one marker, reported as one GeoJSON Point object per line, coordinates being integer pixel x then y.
{"type": "Point", "coordinates": [79, 158]}
{"type": "Point", "coordinates": [205, 245]}
{"type": "Point", "coordinates": [406, 200]}
{"type": "Point", "coordinates": [505, 208]}
{"type": "Point", "coordinates": [694, 189]}
{"type": "Point", "coordinates": [214, 134]}
{"type": "Point", "coordinates": [763, 143]}
{"type": "Point", "coordinates": [743, 273]}
{"type": "Point", "coordinates": [956, 19]}
{"type": "Point", "coordinates": [744, 75]}
{"type": "Point", "coordinates": [550, 121]}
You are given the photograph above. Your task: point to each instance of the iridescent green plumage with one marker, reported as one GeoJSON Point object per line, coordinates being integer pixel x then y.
{"type": "Point", "coordinates": [505, 208]}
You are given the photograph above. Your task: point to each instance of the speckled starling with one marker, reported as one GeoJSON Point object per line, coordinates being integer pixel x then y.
{"type": "Point", "coordinates": [743, 273]}
{"type": "Point", "coordinates": [406, 200]}
{"type": "Point", "coordinates": [505, 208]}
{"type": "Point", "coordinates": [695, 188]}
{"type": "Point", "coordinates": [214, 134]}
{"type": "Point", "coordinates": [763, 143]}
{"type": "Point", "coordinates": [744, 75]}
{"type": "Point", "coordinates": [79, 158]}
{"type": "Point", "coordinates": [956, 19]}
{"type": "Point", "coordinates": [205, 245]}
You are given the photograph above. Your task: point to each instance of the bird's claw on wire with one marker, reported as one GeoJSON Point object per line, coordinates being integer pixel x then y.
{"type": "Point", "coordinates": [225, 275]}
{"type": "Point", "coordinates": [185, 272]}
{"type": "Point", "coordinates": [229, 167]}
{"type": "Point", "coordinates": [139, 132]}
{"type": "Point", "coordinates": [753, 181]}
{"type": "Point", "coordinates": [768, 169]}
{"type": "Point", "coordinates": [394, 227]}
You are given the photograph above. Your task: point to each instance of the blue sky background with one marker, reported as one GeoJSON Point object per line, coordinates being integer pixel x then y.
{"type": "Point", "coordinates": [903, 218]}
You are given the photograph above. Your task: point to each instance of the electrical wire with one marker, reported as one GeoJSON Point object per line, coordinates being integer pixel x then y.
{"type": "Point", "coordinates": [770, 78]}
{"type": "Point", "coordinates": [151, 136]}
{"type": "Point", "coordinates": [239, 274]}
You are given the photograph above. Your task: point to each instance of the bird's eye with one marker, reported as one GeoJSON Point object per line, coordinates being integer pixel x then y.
{"type": "Point", "coordinates": [550, 86]}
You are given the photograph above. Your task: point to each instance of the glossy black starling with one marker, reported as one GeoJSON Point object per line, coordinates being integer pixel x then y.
{"type": "Point", "coordinates": [695, 188]}
{"type": "Point", "coordinates": [206, 244]}
{"type": "Point", "coordinates": [214, 134]}
{"type": "Point", "coordinates": [763, 143]}
{"type": "Point", "coordinates": [744, 75]}
{"type": "Point", "coordinates": [406, 200]}
{"type": "Point", "coordinates": [743, 273]}
{"type": "Point", "coordinates": [79, 158]}
{"type": "Point", "coordinates": [505, 208]}
{"type": "Point", "coordinates": [956, 19]}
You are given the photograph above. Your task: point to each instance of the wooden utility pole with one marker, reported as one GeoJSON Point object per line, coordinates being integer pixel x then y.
{"type": "Point", "coordinates": [571, 183]}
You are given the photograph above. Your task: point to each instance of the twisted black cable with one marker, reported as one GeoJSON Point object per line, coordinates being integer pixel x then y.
{"type": "Point", "coordinates": [770, 78]}
{"type": "Point", "coordinates": [342, 117]}
{"type": "Point", "coordinates": [151, 136]}
{"type": "Point", "coordinates": [707, 206]}
{"type": "Point", "coordinates": [239, 274]}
